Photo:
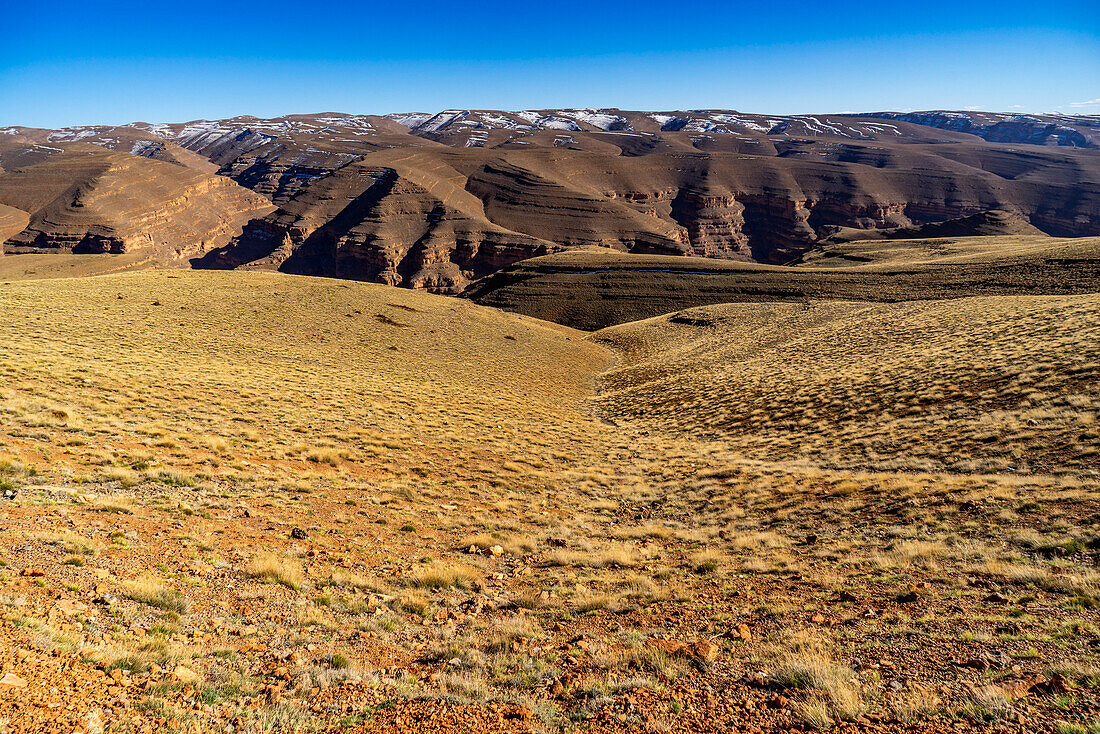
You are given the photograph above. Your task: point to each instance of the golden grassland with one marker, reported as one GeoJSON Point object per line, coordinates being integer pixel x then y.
{"type": "Point", "coordinates": [52, 265]}
{"type": "Point", "coordinates": [303, 504]}
{"type": "Point", "coordinates": [993, 384]}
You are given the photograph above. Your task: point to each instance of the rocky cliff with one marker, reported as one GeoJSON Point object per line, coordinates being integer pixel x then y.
{"type": "Point", "coordinates": [84, 199]}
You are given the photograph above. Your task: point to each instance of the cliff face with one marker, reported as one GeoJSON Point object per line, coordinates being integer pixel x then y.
{"type": "Point", "coordinates": [89, 200]}
{"type": "Point", "coordinates": [379, 224]}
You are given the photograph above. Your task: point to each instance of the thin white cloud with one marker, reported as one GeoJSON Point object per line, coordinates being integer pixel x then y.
{"type": "Point", "coordinates": [973, 107]}
{"type": "Point", "coordinates": [1090, 103]}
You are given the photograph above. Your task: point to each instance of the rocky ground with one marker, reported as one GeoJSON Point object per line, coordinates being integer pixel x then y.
{"type": "Point", "coordinates": [213, 523]}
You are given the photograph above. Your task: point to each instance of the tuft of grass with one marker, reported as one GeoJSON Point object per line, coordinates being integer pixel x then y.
{"type": "Point", "coordinates": [811, 669]}
{"type": "Point", "coordinates": [445, 576]}
{"type": "Point", "coordinates": [707, 561]}
{"type": "Point", "coordinates": [150, 591]}
{"type": "Point", "coordinates": [274, 569]}
{"type": "Point", "coordinates": [613, 557]}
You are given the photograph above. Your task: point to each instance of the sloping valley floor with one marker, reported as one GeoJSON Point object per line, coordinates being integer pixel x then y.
{"type": "Point", "coordinates": [254, 502]}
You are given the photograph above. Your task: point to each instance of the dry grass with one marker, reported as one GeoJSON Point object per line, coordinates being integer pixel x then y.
{"type": "Point", "coordinates": [153, 592]}
{"type": "Point", "coordinates": [446, 576]}
{"type": "Point", "coordinates": [274, 569]}
{"type": "Point", "coordinates": [622, 556]}
{"type": "Point", "coordinates": [975, 384]}
{"type": "Point", "coordinates": [609, 532]}
{"type": "Point", "coordinates": [813, 668]}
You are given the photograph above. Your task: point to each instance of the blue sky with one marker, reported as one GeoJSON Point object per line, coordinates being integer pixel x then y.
{"type": "Point", "coordinates": [116, 62]}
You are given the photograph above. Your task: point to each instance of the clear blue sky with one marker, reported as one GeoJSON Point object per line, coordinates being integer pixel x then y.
{"type": "Point", "coordinates": [116, 62]}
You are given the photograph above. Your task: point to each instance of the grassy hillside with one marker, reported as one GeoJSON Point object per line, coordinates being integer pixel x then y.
{"type": "Point", "coordinates": [598, 287]}
{"type": "Point", "coordinates": [39, 267]}
{"type": "Point", "coordinates": [298, 504]}
{"type": "Point", "coordinates": [252, 375]}
{"type": "Point", "coordinates": [972, 385]}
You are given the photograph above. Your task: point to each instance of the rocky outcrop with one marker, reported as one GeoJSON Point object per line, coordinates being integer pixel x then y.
{"type": "Point", "coordinates": [380, 225]}
{"type": "Point", "coordinates": [89, 200]}
{"type": "Point", "coordinates": [983, 224]}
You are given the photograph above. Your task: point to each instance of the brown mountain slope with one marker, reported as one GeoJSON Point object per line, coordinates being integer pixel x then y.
{"type": "Point", "coordinates": [593, 288]}
{"type": "Point", "coordinates": [12, 221]}
{"type": "Point", "coordinates": [715, 183]}
{"type": "Point", "coordinates": [991, 223]}
{"type": "Point", "coordinates": [85, 199]}
{"type": "Point", "coordinates": [718, 204]}
{"type": "Point", "coordinates": [408, 223]}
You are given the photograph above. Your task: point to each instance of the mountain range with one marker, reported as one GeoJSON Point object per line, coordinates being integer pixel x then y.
{"type": "Point", "coordinates": [437, 201]}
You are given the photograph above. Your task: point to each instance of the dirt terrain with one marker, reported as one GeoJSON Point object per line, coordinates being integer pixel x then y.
{"type": "Point", "coordinates": [253, 502]}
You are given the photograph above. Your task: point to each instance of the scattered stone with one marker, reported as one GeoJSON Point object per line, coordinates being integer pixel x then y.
{"type": "Point", "coordinates": [299, 534]}
{"type": "Point", "coordinates": [496, 551]}
{"type": "Point", "coordinates": [32, 572]}
{"type": "Point", "coordinates": [557, 542]}
{"type": "Point", "coordinates": [701, 651]}
{"type": "Point", "coordinates": [996, 598]}
{"type": "Point", "coordinates": [185, 675]}
{"type": "Point", "coordinates": [11, 680]}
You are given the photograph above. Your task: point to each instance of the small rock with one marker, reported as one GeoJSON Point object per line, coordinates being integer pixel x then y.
{"type": "Point", "coordinates": [557, 542]}
{"type": "Point", "coordinates": [1058, 684]}
{"type": "Point", "coordinates": [704, 651]}
{"type": "Point", "coordinates": [496, 551]}
{"type": "Point", "coordinates": [996, 598]}
{"type": "Point", "coordinates": [299, 534]}
{"type": "Point", "coordinates": [744, 632]}
{"type": "Point", "coordinates": [907, 597]}
{"type": "Point", "coordinates": [185, 675]}
{"type": "Point", "coordinates": [32, 572]}
{"type": "Point", "coordinates": [11, 680]}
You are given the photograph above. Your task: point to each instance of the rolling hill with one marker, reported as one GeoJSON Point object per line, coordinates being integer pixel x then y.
{"type": "Point", "coordinates": [592, 288]}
